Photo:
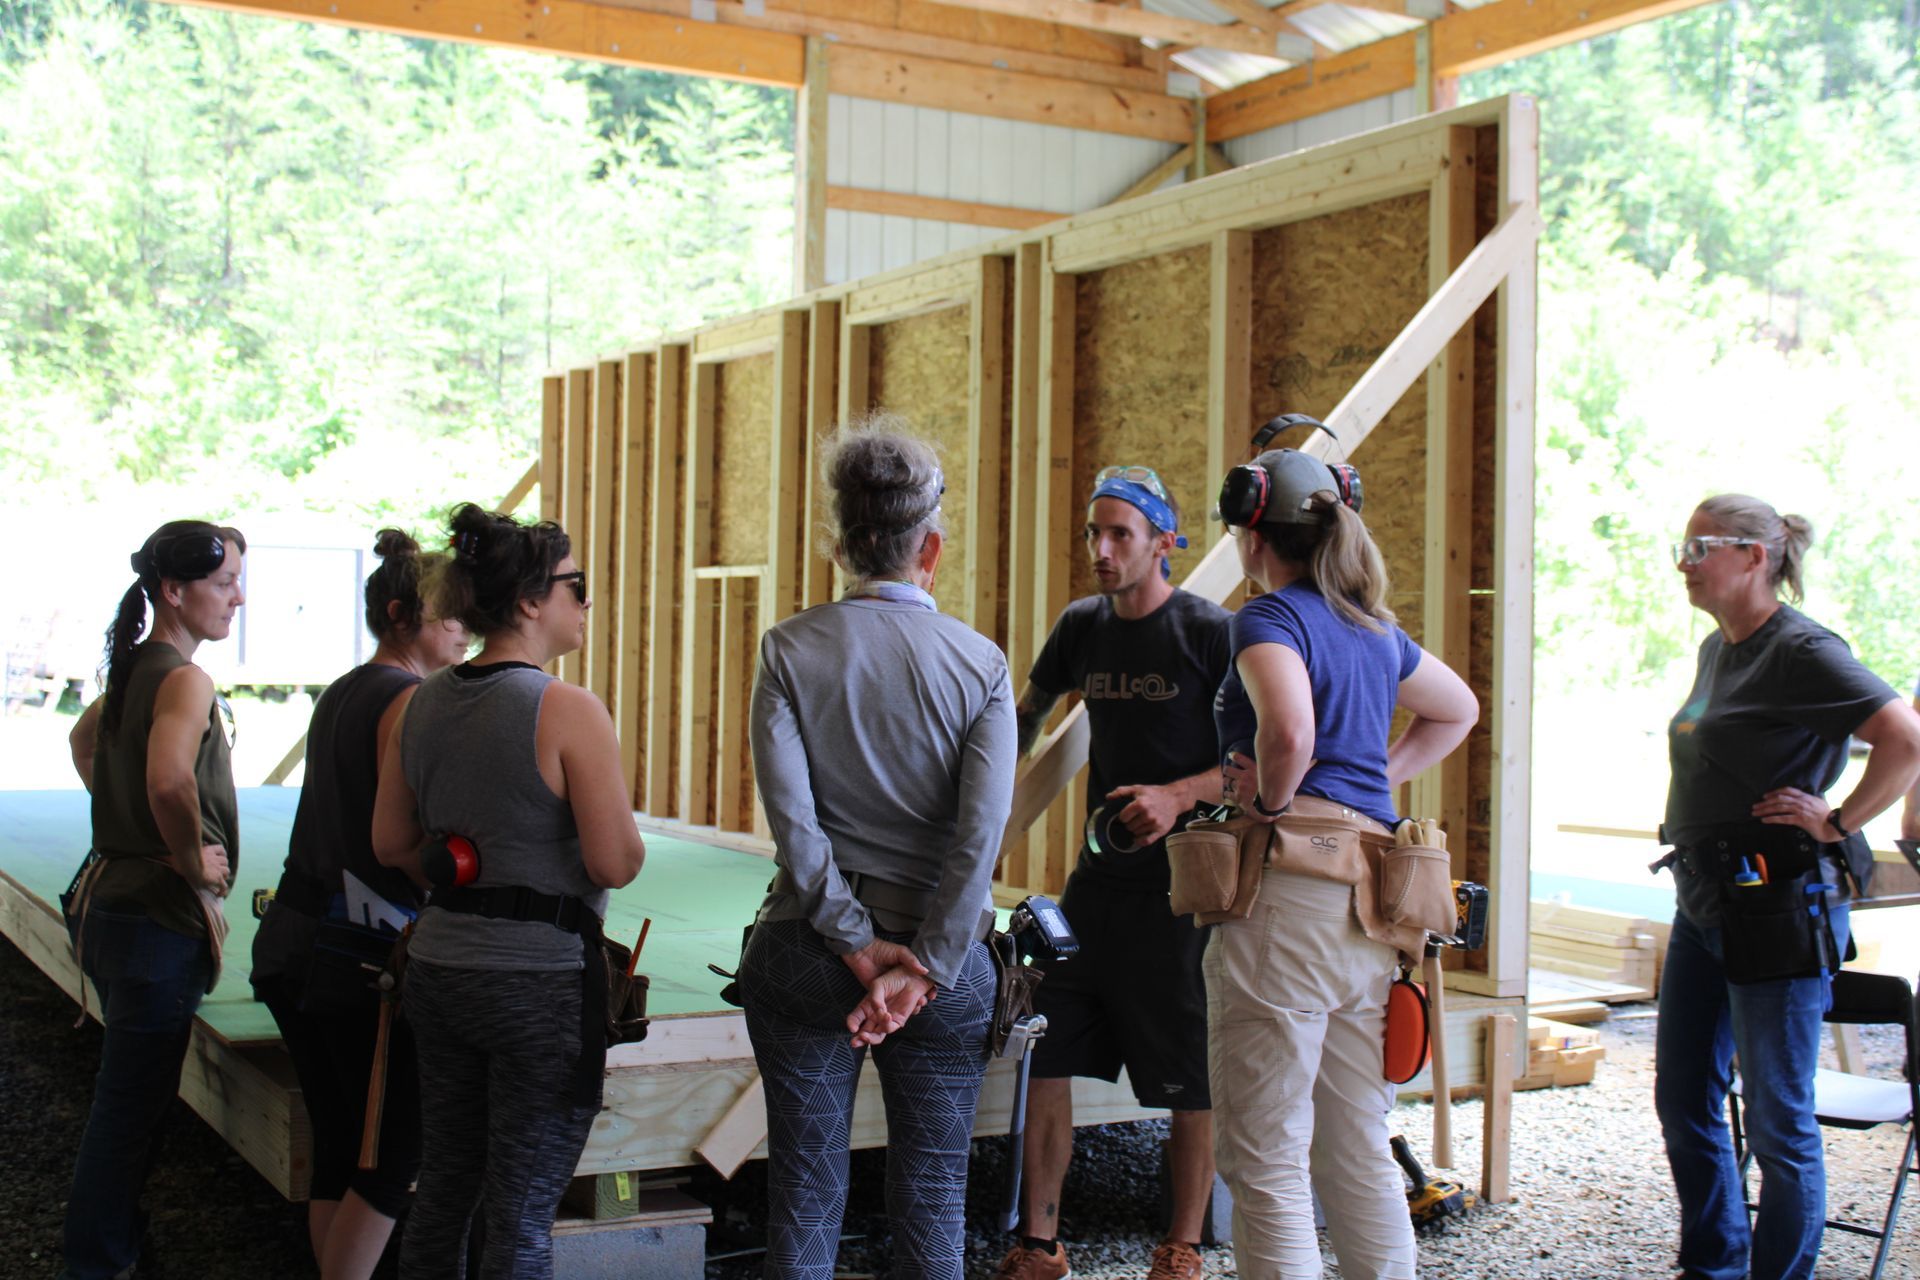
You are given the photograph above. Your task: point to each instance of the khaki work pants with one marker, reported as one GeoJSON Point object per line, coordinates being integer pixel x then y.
{"type": "Point", "coordinates": [1296, 1017]}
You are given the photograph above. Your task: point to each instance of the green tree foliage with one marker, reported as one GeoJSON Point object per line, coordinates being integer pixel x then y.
{"type": "Point", "coordinates": [1730, 301]}
{"type": "Point", "coordinates": [306, 267]}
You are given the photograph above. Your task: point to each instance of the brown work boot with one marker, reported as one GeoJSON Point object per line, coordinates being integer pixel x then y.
{"type": "Point", "coordinates": [1022, 1263]}
{"type": "Point", "coordinates": [1174, 1260]}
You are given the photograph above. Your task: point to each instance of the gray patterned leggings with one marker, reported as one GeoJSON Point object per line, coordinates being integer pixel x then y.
{"type": "Point", "coordinates": [798, 995]}
{"type": "Point", "coordinates": [497, 1051]}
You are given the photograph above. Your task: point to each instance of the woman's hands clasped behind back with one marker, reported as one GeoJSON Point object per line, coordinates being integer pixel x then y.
{"type": "Point", "coordinates": [897, 988]}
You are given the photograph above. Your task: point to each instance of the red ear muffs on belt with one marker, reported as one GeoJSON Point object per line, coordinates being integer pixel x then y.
{"type": "Point", "coordinates": [1409, 1038]}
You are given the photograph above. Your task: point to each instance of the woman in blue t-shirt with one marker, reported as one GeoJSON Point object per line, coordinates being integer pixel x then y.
{"type": "Point", "coordinates": [1296, 992]}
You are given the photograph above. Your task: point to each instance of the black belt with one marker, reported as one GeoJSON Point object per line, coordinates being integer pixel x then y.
{"type": "Point", "coordinates": [518, 902]}
{"type": "Point", "coordinates": [305, 894]}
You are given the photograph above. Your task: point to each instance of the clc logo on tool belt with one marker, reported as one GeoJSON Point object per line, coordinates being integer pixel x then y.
{"type": "Point", "coordinates": [1326, 843]}
{"type": "Point", "coordinates": [1115, 684]}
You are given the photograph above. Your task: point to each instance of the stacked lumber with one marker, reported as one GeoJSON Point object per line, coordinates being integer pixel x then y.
{"type": "Point", "coordinates": [1596, 946]}
{"type": "Point", "coordinates": [1559, 1055]}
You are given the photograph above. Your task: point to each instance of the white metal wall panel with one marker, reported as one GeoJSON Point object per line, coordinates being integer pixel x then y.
{"type": "Point", "coordinates": [889, 146]}
{"type": "Point", "coordinates": [1344, 122]}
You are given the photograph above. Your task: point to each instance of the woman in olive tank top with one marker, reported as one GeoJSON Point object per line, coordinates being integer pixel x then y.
{"type": "Point", "coordinates": [145, 912]}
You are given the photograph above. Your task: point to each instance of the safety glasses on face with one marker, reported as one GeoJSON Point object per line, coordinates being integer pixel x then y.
{"type": "Point", "coordinates": [1138, 475]}
{"type": "Point", "coordinates": [1694, 550]}
{"type": "Point", "coordinates": [576, 582]}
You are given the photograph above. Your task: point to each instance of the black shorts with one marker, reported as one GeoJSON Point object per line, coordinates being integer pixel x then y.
{"type": "Point", "coordinates": [1134, 997]}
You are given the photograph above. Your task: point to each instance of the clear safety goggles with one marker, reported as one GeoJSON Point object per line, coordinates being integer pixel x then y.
{"type": "Point", "coordinates": [1694, 550]}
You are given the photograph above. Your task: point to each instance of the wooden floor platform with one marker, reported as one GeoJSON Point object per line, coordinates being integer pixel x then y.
{"type": "Point", "coordinates": [688, 1092]}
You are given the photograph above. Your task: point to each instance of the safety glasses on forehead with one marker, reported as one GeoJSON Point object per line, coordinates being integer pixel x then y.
{"type": "Point", "coordinates": [1138, 475]}
{"type": "Point", "coordinates": [576, 582]}
{"type": "Point", "coordinates": [1694, 550]}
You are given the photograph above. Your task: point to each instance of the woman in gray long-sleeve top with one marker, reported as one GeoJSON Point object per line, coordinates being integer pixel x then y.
{"type": "Point", "coordinates": [883, 745]}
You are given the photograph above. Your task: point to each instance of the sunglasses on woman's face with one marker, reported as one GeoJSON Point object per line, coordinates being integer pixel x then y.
{"type": "Point", "coordinates": [577, 580]}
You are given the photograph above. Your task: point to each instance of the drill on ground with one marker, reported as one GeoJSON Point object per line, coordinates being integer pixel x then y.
{"type": "Point", "coordinates": [1431, 1201]}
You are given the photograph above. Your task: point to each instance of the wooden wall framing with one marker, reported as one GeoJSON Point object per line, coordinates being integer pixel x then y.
{"type": "Point", "coordinates": [1384, 283]}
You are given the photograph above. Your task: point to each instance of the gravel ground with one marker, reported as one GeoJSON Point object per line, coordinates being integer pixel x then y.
{"type": "Point", "coordinates": [1592, 1197]}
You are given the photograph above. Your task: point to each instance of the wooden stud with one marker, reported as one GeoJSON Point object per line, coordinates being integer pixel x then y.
{"type": "Point", "coordinates": [599, 32]}
{"type": "Point", "coordinates": [1025, 477]}
{"type": "Point", "coordinates": [823, 360]}
{"type": "Point", "coordinates": [810, 172]}
{"type": "Point", "coordinates": [1197, 149]}
{"type": "Point", "coordinates": [742, 1129]}
{"type": "Point", "coordinates": [664, 577]}
{"type": "Point", "coordinates": [1053, 547]}
{"type": "Point", "coordinates": [573, 483]}
{"type": "Point", "coordinates": [1370, 71]}
{"type": "Point", "coordinates": [1229, 349]}
{"type": "Point", "coordinates": [553, 443]}
{"type": "Point", "coordinates": [1510, 802]}
{"type": "Point", "coordinates": [780, 588]}
{"type": "Point", "coordinates": [1423, 70]}
{"type": "Point", "coordinates": [701, 596]}
{"type": "Point", "coordinates": [856, 370]}
{"type": "Point", "coordinates": [989, 91]}
{"type": "Point", "coordinates": [1442, 792]}
{"type": "Point", "coordinates": [731, 788]}
{"type": "Point", "coordinates": [599, 556]}
{"type": "Point", "coordinates": [633, 519]}
{"type": "Point", "coordinates": [1496, 1139]}
{"type": "Point", "coordinates": [901, 204]}
{"type": "Point", "coordinates": [986, 382]}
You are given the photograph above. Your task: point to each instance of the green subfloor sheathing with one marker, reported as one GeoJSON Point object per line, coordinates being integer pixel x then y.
{"type": "Point", "coordinates": [699, 898]}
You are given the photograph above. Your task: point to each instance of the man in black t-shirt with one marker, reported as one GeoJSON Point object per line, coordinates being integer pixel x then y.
{"type": "Point", "coordinates": [1147, 658]}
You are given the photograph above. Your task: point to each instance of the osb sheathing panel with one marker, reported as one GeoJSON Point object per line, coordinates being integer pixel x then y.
{"type": "Point", "coordinates": [918, 368]}
{"type": "Point", "coordinates": [1329, 294]}
{"type": "Point", "coordinates": [742, 459]}
{"type": "Point", "coordinates": [1140, 389]}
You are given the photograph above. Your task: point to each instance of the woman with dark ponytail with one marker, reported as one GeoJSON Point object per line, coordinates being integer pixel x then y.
{"type": "Point", "coordinates": [338, 910]}
{"type": "Point", "coordinates": [509, 1028]}
{"type": "Point", "coordinates": [145, 910]}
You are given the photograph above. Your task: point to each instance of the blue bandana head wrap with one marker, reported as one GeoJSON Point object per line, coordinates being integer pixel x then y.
{"type": "Point", "coordinates": [1149, 504]}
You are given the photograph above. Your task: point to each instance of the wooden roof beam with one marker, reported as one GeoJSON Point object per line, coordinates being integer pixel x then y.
{"type": "Point", "coordinates": [1138, 23]}
{"type": "Point", "coordinates": [1462, 42]}
{"type": "Point", "coordinates": [1095, 60]}
{"type": "Point", "coordinates": [571, 28]}
{"type": "Point", "coordinates": [989, 91]}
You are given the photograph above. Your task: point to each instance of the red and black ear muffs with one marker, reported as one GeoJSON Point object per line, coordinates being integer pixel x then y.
{"type": "Point", "coordinates": [1347, 485]}
{"type": "Point", "coordinates": [1243, 495]}
{"type": "Point", "coordinates": [1246, 490]}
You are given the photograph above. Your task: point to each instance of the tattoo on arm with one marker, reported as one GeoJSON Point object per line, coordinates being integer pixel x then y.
{"type": "Point", "coordinates": [1030, 716]}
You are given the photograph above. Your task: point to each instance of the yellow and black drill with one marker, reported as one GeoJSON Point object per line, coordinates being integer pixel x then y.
{"type": "Point", "coordinates": [1431, 1201]}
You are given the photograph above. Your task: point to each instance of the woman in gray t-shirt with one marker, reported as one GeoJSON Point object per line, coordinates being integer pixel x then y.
{"type": "Point", "coordinates": [1761, 739]}
{"type": "Point", "coordinates": [883, 746]}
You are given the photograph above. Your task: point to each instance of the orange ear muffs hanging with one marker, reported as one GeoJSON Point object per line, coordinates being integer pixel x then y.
{"type": "Point", "coordinates": [1409, 1039]}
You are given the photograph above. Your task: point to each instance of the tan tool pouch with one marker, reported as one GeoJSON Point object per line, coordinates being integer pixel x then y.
{"type": "Point", "coordinates": [1416, 879]}
{"type": "Point", "coordinates": [1216, 868]}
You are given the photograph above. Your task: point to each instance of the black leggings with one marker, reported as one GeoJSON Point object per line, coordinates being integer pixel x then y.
{"type": "Point", "coordinates": [332, 1055]}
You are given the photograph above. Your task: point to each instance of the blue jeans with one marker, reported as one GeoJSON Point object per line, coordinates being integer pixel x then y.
{"type": "Point", "coordinates": [150, 981]}
{"type": "Point", "coordinates": [1775, 1028]}
{"type": "Point", "coordinates": [798, 995]}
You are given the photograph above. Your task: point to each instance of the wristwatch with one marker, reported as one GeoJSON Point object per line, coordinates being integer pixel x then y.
{"type": "Point", "coordinates": [1833, 820]}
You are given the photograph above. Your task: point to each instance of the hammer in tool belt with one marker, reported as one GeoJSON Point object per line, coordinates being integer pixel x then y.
{"type": "Point", "coordinates": [1037, 934]}
{"type": "Point", "coordinates": [389, 986]}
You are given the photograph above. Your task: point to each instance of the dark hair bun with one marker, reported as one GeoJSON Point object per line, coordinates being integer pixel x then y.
{"type": "Point", "coordinates": [497, 562]}
{"type": "Point", "coordinates": [389, 543]}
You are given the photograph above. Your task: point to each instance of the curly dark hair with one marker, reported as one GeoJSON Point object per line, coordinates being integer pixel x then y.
{"type": "Point", "coordinates": [497, 562]}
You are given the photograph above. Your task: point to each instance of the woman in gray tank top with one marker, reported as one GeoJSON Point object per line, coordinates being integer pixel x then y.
{"type": "Point", "coordinates": [527, 769]}
{"type": "Point", "coordinates": [883, 747]}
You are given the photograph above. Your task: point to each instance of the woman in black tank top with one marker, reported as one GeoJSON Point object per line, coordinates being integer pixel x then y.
{"type": "Point", "coordinates": [145, 911]}
{"type": "Point", "coordinates": [337, 909]}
